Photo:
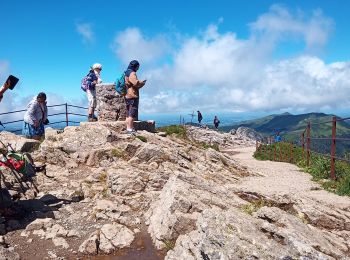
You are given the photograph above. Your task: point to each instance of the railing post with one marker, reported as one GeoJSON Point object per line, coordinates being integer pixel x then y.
{"type": "Point", "coordinates": [302, 138]}
{"type": "Point", "coordinates": [333, 147]}
{"type": "Point", "coordinates": [66, 114]}
{"type": "Point", "coordinates": [308, 143]}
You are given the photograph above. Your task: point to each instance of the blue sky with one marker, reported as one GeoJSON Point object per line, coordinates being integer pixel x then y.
{"type": "Point", "coordinates": [232, 56]}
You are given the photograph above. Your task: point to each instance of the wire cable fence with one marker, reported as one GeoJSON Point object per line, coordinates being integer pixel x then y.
{"type": "Point", "coordinates": [69, 115]}
{"type": "Point", "coordinates": [329, 138]}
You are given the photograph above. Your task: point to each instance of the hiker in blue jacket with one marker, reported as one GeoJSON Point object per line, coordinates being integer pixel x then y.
{"type": "Point", "coordinates": [35, 117]}
{"type": "Point", "coordinates": [278, 138]}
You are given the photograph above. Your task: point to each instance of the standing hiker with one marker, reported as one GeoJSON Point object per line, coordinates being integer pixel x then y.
{"type": "Point", "coordinates": [216, 122]}
{"type": "Point", "coordinates": [133, 84]}
{"type": "Point", "coordinates": [93, 78]}
{"type": "Point", "coordinates": [200, 117]}
{"type": "Point", "coordinates": [35, 117]}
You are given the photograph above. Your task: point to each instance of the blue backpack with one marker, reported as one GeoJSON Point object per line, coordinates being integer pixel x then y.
{"type": "Point", "coordinates": [120, 86]}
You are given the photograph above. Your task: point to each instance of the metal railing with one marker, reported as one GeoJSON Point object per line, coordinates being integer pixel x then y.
{"type": "Point", "coordinates": [65, 115]}
{"type": "Point", "coordinates": [306, 141]}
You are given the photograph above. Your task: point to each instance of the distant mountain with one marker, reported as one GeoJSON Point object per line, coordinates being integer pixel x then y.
{"type": "Point", "coordinates": [290, 124]}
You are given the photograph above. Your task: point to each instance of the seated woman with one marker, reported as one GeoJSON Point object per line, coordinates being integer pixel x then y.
{"type": "Point", "coordinates": [35, 117]}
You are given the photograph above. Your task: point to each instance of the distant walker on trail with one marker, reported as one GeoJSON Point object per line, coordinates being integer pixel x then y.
{"type": "Point", "coordinates": [216, 122]}
{"type": "Point", "coordinates": [200, 117]}
{"type": "Point", "coordinates": [278, 137]}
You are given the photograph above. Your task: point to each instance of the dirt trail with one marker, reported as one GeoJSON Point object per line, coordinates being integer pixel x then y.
{"type": "Point", "coordinates": [283, 179]}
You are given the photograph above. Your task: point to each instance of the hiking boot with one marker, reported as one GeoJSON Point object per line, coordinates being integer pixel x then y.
{"type": "Point", "coordinates": [130, 132]}
{"type": "Point", "coordinates": [94, 118]}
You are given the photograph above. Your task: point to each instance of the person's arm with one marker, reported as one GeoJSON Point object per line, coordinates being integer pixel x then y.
{"type": "Point", "coordinates": [135, 82]}
{"type": "Point", "coordinates": [2, 90]}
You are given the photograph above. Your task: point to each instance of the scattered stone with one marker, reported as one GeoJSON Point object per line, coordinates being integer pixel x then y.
{"type": "Point", "coordinates": [114, 236]}
{"type": "Point", "coordinates": [90, 245]}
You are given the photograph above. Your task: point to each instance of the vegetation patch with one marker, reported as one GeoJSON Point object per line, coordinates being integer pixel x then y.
{"type": "Point", "coordinates": [207, 146]}
{"type": "Point", "coordinates": [177, 130]}
{"type": "Point", "coordinates": [254, 206]}
{"type": "Point", "coordinates": [319, 166]}
{"type": "Point", "coordinates": [169, 244]}
{"type": "Point", "coordinates": [142, 138]}
{"type": "Point", "coordinates": [117, 153]}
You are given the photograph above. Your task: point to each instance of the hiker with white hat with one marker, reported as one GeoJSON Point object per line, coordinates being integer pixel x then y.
{"type": "Point", "coordinates": [93, 78]}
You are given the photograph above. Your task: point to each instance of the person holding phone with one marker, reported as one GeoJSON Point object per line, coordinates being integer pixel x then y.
{"type": "Point", "coordinates": [132, 97]}
{"type": "Point", "coordinates": [3, 89]}
{"type": "Point", "coordinates": [9, 84]}
{"type": "Point", "coordinates": [35, 117]}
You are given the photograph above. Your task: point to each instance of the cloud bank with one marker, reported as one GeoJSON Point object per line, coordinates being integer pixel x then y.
{"type": "Point", "coordinates": [216, 71]}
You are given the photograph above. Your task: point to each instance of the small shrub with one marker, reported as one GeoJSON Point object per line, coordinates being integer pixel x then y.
{"type": "Point", "coordinates": [117, 153]}
{"type": "Point", "coordinates": [178, 130]}
{"type": "Point", "coordinates": [207, 146]}
{"type": "Point", "coordinates": [142, 138]}
{"type": "Point", "coordinates": [255, 206]}
{"type": "Point", "coordinates": [102, 177]}
{"type": "Point", "coordinates": [169, 244]}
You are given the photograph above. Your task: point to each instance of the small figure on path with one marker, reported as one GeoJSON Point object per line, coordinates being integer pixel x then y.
{"type": "Point", "coordinates": [200, 117]}
{"type": "Point", "coordinates": [216, 122]}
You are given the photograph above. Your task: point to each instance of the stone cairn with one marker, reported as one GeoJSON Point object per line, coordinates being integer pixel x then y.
{"type": "Point", "coordinates": [110, 105]}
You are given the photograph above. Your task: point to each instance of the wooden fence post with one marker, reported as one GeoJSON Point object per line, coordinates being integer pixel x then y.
{"type": "Point", "coordinates": [333, 147]}
{"type": "Point", "coordinates": [302, 145]}
{"type": "Point", "coordinates": [308, 143]}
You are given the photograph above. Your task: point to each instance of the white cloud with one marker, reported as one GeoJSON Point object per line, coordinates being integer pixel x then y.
{"type": "Point", "coordinates": [130, 44]}
{"type": "Point", "coordinates": [279, 23]}
{"type": "Point", "coordinates": [85, 30]}
{"type": "Point", "coordinates": [215, 71]}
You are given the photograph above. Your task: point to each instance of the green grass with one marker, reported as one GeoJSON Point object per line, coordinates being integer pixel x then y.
{"type": "Point", "coordinates": [254, 206]}
{"type": "Point", "coordinates": [177, 130]}
{"type": "Point", "coordinates": [142, 138]}
{"type": "Point", "coordinates": [319, 166]}
{"type": "Point", "coordinates": [207, 146]}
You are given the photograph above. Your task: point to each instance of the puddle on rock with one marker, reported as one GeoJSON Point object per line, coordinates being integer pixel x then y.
{"type": "Point", "coordinates": [141, 248]}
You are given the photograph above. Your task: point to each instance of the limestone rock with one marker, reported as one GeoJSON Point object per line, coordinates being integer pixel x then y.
{"type": "Point", "coordinates": [19, 143]}
{"type": "Point", "coordinates": [273, 234]}
{"type": "Point", "coordinates": [114, 236]}
{"type": "Point", "coordinates": [40, 224]}
{"type": "Point", "coordinates": [248, 134]}
{"type": "Point", "coordinates": [90, 245]}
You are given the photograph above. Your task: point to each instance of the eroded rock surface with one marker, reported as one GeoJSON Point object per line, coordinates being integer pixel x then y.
{"type": "Point", "coordinates": [198, 199]}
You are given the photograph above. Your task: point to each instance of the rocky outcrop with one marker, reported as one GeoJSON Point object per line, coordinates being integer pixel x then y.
{"type": "Point", "coordinates": [190, 192]}
{"type": "Point", "coordinates": [110, 105]}
{"type": "Point", "coordinates": [18, 143]}
{"type": "Point", "coordinates": [269, 234]}
{"type": "Point", "coordinates": [247, 133]}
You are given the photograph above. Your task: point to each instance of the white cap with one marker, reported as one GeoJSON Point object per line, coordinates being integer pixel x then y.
{"type": "Point", "coordinates": [97, 66]}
